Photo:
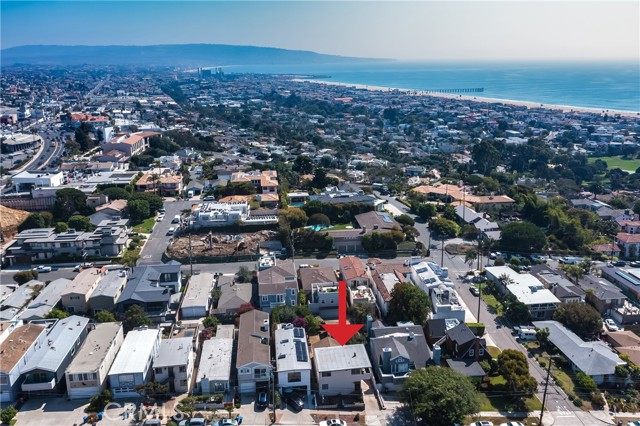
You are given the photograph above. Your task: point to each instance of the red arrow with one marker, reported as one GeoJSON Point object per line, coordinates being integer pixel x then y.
{"type": "Point", "coordinates": [342, 331]}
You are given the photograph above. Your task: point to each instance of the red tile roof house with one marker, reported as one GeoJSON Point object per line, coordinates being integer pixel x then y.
{"type": "Point", "coordinates": [354, 272]}
{"type": "Point", "coordinates": [629, 244]}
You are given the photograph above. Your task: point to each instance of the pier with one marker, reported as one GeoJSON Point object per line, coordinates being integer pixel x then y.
{"type": "Point", "coordinates": [465, 90]}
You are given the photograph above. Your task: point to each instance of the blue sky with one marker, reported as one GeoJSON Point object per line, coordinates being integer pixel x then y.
{"type": "Point", "coordinates": [418, 30]}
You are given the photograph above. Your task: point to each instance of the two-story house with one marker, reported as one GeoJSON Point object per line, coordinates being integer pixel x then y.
{"type": "Point", "coordinates": [292, 359]}
{"type": "Point", "coordinates": [214, 370]}
{"type": "Point", "coordinates": [87, 373]}
{"type": "Point", "coordinates": [395, 352]}
{"type": "Point", "coordinates": [75, 297]}
{"type": "Point", "coordinates": [354, 272]}
{"type": "Point", "coordinates": [44, 372]}
{"type": "Point", "coordinates": [277, 285]}
{"type": "Point", "coordinates": [16, 350]}
{"type": "Point", "coordinates": [196, 302]}
{"type": "Point", "coordinates": [132, 366]}
{"type": "Point", "coordinates": [173, 365]}
{"type": "Point", "coordinates": [48, 298]}
{"type": "Point", "coordinates": [340, 370]}
{"type": "Point", "coordinates": [265, 181]}
{"type": "Point", "coordinates": [109, 289]}
{"type": "Point", "coordinates": [465, 350]}
{"type": "Point", "coordinates": [253, 361]}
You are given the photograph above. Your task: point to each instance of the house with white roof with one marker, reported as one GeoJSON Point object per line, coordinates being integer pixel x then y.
{"type": "Point", "coordinates": [214, 371]}
{"type": "Point", "coordinates": [340, 370]}
{"type": "Point", "coordinates": [44, 372]}
{"type": "Point", "coordinates": [428, 275]}
{"type": "Point", "coordinates": [173, 366]}
{"type": "Point", "coordinates": [48, 298]}
{"type": "Point", "coordinates": [292, 359]}
{"type": "Point", "coordinates": [132, 366]}
{"type": "Point", "coordinates": [595, 359]}
{"type": "Point", "coordinates": [526, 289]}
{"type": "Point", "coordinates": [87, 373]}
{"type": "Point", "coordinates": [196, 302]}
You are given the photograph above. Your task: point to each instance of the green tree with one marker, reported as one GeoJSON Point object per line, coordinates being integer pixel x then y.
{"type": "Point", "coordinates": [80, 223]}
{"type": "Point", "coordinates": [56, 313]}
{"type": "Point", "coordinates": [303, 165]}
{"type": "Point", "coordinates": [61, 227]}
{"type": "Point", "coordinates": [516, 311]}
{"type": "Point", "coordinates": [293, 216]}
{"type": "Point", "coordinates": [283, 314]}
{"type": "Point", "coordinates": [574, 271]}
{"type": "Point", "coordinates": [358, 312]}
{"type": "Point", "coordinates": [245, 275]}
{"type": "Point", "coordinates": [70, 201]}
{"type": "Point", "coordinates": [98, 402]}
{"type": "Point", "coordinates": [485, 156]}
{"type": "Point", "coordinates": [439, 396]}
{"type": "Point", "coordinates": [105, 316]}
{"type": "Point", "coordinates": [586, 383]}
{"type": "Point", "coordinates": [470, 257]}
{"type": "Point", "coordinates": [444, 227]}
{"type": "Point", "coordinates": [33, 221]}
{"type": "Point", "coordinates": [134, 317]}
{"type": "Point", "coordinates": [155, 201]}
{"type": "Point", "coordinates": [152, 388]}
{"type": "Point", "coordinates": [319, 219]}
{"type": "Point", "coordinates": [405, 220]}
{"type": "Point", "coordinates": [211, 322]}
{"type": "Point", "coordinates": [522, 236]}
{"type": "Point", "coordinates": [138, 210]}
{"type": "Point", "coordinates": [424, 210]}
{"type": "Point", "coordinates": [513, 367]}
{"type": "Point", "coordinates": [8, 414]}
{"type": "Point", "coordinates": [581, 318]}
{"type": "Point", "coordinates": [320, 179]}
{"type": "Point", "coordinates": [116, 193]}
{"type": "Point", "coordinates": [25, 276]}
{"type": "Point", "coordinates": [130, 258]}
{"type": "Point", "coordinates": [408, 303]}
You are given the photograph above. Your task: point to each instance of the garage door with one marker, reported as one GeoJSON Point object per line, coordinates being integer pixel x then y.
{"type": "Point", "coordinates": [249, 387]}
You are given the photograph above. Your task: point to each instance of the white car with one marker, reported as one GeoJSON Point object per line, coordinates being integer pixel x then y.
{"type": "Point", "coordinates": [482, 423]}
{"type": "Point", "coordinates": [333, 422]}
{"type": "Point", "coordinates": [160, 217]}
{"type": "Point", "coordinates": [43, 268]}
{"type": "Point", "coordinates": [611, 326]}
{"type": "Point", "coordinates": [511, 424]}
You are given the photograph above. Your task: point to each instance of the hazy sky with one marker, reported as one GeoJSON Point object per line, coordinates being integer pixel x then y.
{"type": "Point", "coordinates": [418, 30]}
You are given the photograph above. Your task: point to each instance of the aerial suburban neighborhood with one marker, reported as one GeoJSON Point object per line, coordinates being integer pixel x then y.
{"type": "Point", "coordinates": [176, 242]}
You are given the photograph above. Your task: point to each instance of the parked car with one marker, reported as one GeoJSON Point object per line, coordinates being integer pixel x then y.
{"type": "Point", "coordinates": [160, 217]}
{"type": "Point", "coordinates": [43, 268]}
{"type": "Point", "coordinates": [635, 264]}
{"type": "Point", "coordinates": [333, 422]}
{"type": "Point", "coordinates": [295, 401]}
{"type": "Point", "coordinates": [474, 291]}
{"type": "Point", "coordinates": [482, 423]}
{"type": "Point", "coordinates": [195, 421]}
{"type": "Point", "coordinates": [262, 400]}
{"type": "Point", "coordinates": [511, 424]}
{"type": "Point", "coordinates": [77, 268]}
{"type": "Point", "coordinates": [611, 325]}
{"type": "Point", "coordinates": [619, 263]}
{"type": "Point", "coordinates": [228, 422]}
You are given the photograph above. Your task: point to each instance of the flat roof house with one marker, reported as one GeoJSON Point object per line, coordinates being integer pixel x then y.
{"type": "Point", "coordinates": [253, 361]}
{"type": "Point", "coordinates": [340, 370]}
{"type": "Point", "coordinates": [173, 365]}
{"type": "Point", "coordinates": [132, 366]}
{"type": "Point", "coordinates": [214, 371]}
{"type": "Point", "coordinates": [527, 289]}
{"type": "Point", "coordinates": [75, 298]}
{"type": "Point", "coordinates": [595, 359]}
{"type": "Point", "coordinates": [15, 351]}
{"type": "Point", "coordinates": [196, 302]}
{"type": "Point", "coordinates": [87, 373]}
{"type": "Point", "coordinates": [44, 372]}
{"type": "Point", "coordinates": [292, 359]}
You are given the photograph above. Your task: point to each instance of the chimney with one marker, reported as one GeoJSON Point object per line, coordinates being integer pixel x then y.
{"type": "Point", "coordinates": [411, 336]}
{"type": "Point", "coordinates": [437, 353]}
{"type": "Point", "coordinates": [386, 360]}
{"type": "Point", "coordinates": [364, 230]}
{"type": "Point", "coordinates": [369, 324]}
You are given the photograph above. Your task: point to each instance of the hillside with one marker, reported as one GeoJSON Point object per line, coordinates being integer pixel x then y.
{"type": "Point", "coordinates": [10, 219]}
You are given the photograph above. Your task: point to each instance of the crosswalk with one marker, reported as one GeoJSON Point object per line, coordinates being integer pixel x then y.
{"type": "Point", "coordinates": [563, 411]}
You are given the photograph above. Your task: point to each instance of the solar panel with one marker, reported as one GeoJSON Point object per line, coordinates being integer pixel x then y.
{"type": "Point", "coordinates": [628, 277]}
{"type": "Point", "coordinates": [301, 351]}
{"type": "Point", "coordinates": [298, 332]}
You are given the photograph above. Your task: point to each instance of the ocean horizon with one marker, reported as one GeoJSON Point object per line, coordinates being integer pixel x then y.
{"type": "Point", "coordinates": [606, 86]}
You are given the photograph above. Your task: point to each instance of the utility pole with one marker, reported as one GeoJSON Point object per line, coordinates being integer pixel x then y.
{"type": "Point", "coordinates": [190, 258]}
{"type": "Point", "coordinates": [544, 395]}
{"type": "Point", "coordinates": [442, 254]}
{"type": "Point", "coordinates": [479, 299]}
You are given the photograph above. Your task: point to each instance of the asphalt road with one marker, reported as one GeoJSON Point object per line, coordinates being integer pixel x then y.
{"type": "Point", "coordinates": [159, 240]}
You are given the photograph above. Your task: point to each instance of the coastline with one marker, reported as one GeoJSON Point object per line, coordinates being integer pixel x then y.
{"type": "Point", "coordinates": [479, 99]}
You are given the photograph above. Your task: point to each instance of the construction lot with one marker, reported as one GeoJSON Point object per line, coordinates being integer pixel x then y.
{"type": "Point", "coordinates": [219, 244]}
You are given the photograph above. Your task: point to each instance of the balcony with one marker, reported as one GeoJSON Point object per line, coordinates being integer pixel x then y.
{"type": "Point", "coordinates": [34, 383]}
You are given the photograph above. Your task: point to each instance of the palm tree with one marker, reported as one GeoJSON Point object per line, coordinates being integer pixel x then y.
{"type": "Point", "coordinates": [506, 280]}
{"type": "Point", "coordinates": [470, 257]}
{"type": "Point", "coordinates": [155, 178]}
{"type": "Point", "coordinates": [574, 271]}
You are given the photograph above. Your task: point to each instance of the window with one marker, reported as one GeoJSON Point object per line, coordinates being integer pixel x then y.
{"type": "Point", "coordinates": [294, 377]}
{"type": "Point", "coordinates": [183, 383]}
{"type": "Point", "coordinates": [355, 371]}
{"type": "Point", "coordinates": [472, 352]}
{"type": "Point", "coordinates": [326, 374]}
{"type": "Point", "coordinates": [481, 352]}
{"type": "Point", "coordinates": [402, 367]}
{"type": "Point", "coordinates": [325, 386]}
{"type": "Point", "coordinates": [4, 380]}
{"type": "Point", "coordinates": [158, 370]}
{"type": "Point", "coordinates": [259, 373]}
{"type": "Point", "coordinates": [183, 369]}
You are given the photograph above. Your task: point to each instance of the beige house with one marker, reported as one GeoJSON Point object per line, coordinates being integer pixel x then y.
{"type": "Point", "coordinates": [75, 298]}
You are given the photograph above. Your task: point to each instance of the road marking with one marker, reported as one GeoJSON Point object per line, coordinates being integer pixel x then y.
{"type": "Point", "coordinates": [563, 411]}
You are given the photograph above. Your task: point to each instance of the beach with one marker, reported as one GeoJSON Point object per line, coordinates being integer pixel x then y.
{"type": "Point", "coordinates": [528, 104]}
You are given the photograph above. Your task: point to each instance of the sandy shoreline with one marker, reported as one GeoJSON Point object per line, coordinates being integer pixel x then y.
{"type": "Point", "coordinates": [528, 104]}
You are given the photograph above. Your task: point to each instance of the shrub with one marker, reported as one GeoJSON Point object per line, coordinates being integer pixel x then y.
{"type": "Point", "coordinates": [597, 399]}
{"type": "Point", "coordinates": [25, 276]}
{"type": "Point", "coordinates": [577, 402]}
{"type": "Point", "coordinates": [499, 262]}
{"type": "Point", "coordinates": [7, 414]}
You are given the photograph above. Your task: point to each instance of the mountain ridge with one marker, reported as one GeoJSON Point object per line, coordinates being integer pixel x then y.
{"type": "Point", "coordinates": [195, 54]}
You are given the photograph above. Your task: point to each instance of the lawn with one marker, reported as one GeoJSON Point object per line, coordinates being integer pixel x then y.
{"type": "Point", "coordinates": [493, 303]}
{"type": "Point", "coordinates": [502, 403]}
{"type": "Point", "coordinates": [618, 162]}
{"type": "Point", "coordinates": [340, 227]}
{"type": "Point", "coordinates": [558, 375]}
{"type": "Point", "coordinates": [493, 351]}
{"type": "Point", "coordinates": [146, 226]}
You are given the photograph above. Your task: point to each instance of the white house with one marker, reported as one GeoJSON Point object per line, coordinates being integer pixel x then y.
{"type": "Point", "coordinates": [87, 373]}
{"type": "Point", "coordinates": [292, 359]}
{"type": "Point", "coordinates": [197, 299]}
{"type": "Point", "coordinates": [341, 369]}
{"type": "Point", "coordinates": [253, 362]}
{"type": "Point", "coordinates": [214, 371]}
{"type": "Point", "coordinates": [29, 179]}
{"type": "Point", "coordinates": [173, 365]}
{"type": "Point", "coordinates": [132, 366]}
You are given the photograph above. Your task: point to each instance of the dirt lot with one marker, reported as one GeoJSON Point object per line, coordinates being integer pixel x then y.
{"type": "Point", "coordinates": [10, 219]}
{"type": "Point", "coordinates": [220, 244]}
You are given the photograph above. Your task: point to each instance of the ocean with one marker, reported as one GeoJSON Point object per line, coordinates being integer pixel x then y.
{"type": "Point", "coordinates": [614, 86]}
